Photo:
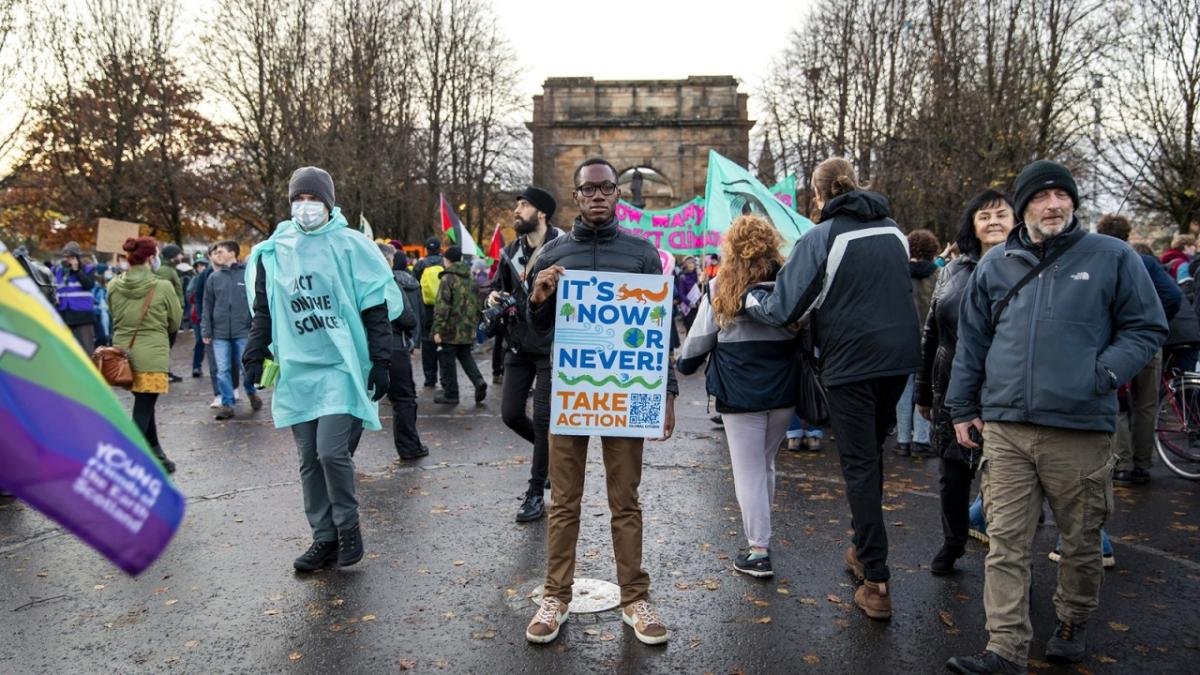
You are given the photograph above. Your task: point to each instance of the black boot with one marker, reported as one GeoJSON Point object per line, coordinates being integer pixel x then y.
{"type": "Point", "coordinates": [421, 452]}
{"type": "Point", "coordinates": [986, 663]}
{"type": "Point", "coordinates": [320, 554]}
{"type": "Point", "coordinates": [480, 391]}
{"type": "Point", "coordinates": [532, 508]}
{"type": "Point", "coordinates": [168, 465]}
{"type": "Point", "coordinates": [943, 562]}
{"type": "Point", "coordinates": [350, 546]}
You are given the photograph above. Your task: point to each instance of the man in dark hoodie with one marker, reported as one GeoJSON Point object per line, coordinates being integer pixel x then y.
{"type": "Point", "coordinates": [455, 319]}
{"type": "Point", "coordinates": [850, 273]}
{"type": "Point", "coordinates": [1052, 323]}
{"type": "Point", "coordinates": [406, 331]}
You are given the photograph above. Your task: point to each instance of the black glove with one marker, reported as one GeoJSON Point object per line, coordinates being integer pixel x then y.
{"type": "Point", "coordinates": [379, 380]}
{"type": "Point", "coordinates": [254, 371]}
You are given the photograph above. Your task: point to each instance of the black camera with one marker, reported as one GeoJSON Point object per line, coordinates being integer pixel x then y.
{"type": "Point", "coordinates": [495, 317]}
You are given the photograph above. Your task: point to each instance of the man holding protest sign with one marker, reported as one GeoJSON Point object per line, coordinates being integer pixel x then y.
{"type": "Point", "coordinates": [596, 245]}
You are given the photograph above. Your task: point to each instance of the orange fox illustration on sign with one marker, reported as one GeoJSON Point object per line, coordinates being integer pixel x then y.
{"type": "Point", "coordinates": [643, 295]}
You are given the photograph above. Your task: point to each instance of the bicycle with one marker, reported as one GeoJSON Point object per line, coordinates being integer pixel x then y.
{"type": "Point", "coordinates": [1177, 426]}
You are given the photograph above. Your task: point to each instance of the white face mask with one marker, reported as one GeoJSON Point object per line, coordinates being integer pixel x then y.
{"type": "Point", "coordinates": [155, 263]}
{"type": "Point", "coordinates": [309, 215]}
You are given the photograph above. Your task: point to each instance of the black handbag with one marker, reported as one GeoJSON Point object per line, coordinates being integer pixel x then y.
{"type": "Point", "coordinates": [812, 403]}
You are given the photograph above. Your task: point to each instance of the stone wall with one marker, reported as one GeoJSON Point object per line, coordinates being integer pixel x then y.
{"type": "Point", "coordinates": [667, 125]}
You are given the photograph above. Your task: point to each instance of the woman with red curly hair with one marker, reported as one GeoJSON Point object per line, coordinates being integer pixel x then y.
{"type": "Point", "coordinates": [145, 310]}
{"type": "Point", "coordinates": [751, 373]}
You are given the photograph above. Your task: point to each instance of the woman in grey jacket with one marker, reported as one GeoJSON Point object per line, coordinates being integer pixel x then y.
{"type": "Point", "coordinates": [751, 373]}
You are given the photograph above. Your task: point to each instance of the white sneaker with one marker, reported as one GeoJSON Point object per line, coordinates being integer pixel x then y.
{"type": "Point", "coordinates": [237, 395]}
{"type": "Point", "coordinates": [216, 402]}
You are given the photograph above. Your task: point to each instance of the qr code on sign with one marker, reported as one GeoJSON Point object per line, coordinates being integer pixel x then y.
{"type": "Point", "coordinates": [645, 410]}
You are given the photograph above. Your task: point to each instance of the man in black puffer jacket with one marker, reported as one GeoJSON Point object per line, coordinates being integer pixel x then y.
{"type": "Point", "coordinates": [594, 243]}
{"type": "Point", "coordinates": [850, 272]}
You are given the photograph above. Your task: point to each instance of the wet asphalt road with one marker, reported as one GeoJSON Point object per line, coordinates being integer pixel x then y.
{"type": "Point", "coordinates": [445, 582]}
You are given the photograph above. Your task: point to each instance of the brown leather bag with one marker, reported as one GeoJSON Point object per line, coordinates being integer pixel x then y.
{"type": "Point", "coordinates": [113, 362]}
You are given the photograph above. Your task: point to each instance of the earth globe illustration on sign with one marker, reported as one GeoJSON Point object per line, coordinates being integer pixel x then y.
{"type": "Point", "coordinates": [634, 338]}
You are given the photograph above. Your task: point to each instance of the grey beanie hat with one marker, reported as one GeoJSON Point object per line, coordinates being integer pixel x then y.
{"type": "Point", "coordinates": [72, 248]}
{"type": "Point", "coordinates": [314, 181]}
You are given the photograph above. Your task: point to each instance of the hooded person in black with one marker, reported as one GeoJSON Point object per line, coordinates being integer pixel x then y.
{"type": "Point", "coordinates": [849, 276]}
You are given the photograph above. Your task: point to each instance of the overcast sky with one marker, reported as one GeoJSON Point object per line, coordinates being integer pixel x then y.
{"type": "Point", "coordinates": [648, 39]}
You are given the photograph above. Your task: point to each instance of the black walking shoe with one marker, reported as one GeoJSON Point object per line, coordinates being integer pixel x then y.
{"type": "Point", "coordinates": [422, 452]}
{"type": "Point", "coordinates": [350, 546]}
{"type": "Point", "coordinates": [320, 554]}
{"type": "Point", "coordinates": [984, 663]}
{"type": "Point", "coordinates": [480, 392]}
{"type": "Point", "coordinates": [759, 567]}
{"type": "Point", "coordinates": [441, 399]}
{"type": "Point", "coordinates": [903, 449]}
{"type": "Point", "coordinates": [1123, 476]}
{"type": "Point", "coordinates": [167, 464]}
{"type": "Point", "coordinates": [1141, 476]}
{"type": "Point", "coordinates": [943, 562]}
{"type": "Point", "coordinates": [174, 378]}
{"type": "Point", "coordinates": [196, 372]}
{"type": "Point", "coordinates": [532, 508]}
{"type": "Point", "coordinates": [922, 450]}
{"type": "Point", "coordinates": [1068, 643]}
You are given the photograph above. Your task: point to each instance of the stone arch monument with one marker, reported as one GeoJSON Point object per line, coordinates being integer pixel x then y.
{"type": "Point", "coordinates": [664, 128]}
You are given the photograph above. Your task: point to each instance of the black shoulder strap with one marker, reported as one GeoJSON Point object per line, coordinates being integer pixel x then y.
{"type": "Point", "coordinates": [1029, 276]}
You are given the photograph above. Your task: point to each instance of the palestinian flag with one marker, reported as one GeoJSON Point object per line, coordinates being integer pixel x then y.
{"type": "Point", "coordinates": [494, 250]}
{"type": "Point", "coordinates": [454, 229]}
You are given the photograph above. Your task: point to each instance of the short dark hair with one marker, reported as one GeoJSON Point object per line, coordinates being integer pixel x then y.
{"type": "Point", "coordinates": [922, 244]}
{"type": "Point", "coordinates": [229, 245]}
{"type": "Point", "coordinates": [1144, 249]}
{"type": "Point", "coordinates": [593, 161]}
{"type": "Point", "coordinates": [968, 243]}
{"type": "Point", "coordinates": [1114, 225]}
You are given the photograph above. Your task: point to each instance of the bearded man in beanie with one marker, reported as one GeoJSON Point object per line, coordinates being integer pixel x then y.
{"type": "Point", "coordinates": [323, 298]}
{"type": "Point", "coordinates": [527, 357]}
{"type": "Point", "coordinates": [1052, 323]}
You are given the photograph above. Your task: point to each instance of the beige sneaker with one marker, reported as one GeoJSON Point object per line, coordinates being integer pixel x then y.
{"type": "Point", "coordinates": [646, 623]}
{"type": "Point", "coordinates": [545, 624]}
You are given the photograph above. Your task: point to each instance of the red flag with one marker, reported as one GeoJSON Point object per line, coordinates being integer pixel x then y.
{"type": "Point", "coordinates": [494, 250]}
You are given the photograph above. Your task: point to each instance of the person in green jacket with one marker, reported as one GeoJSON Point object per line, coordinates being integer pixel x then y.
{"type": "Point", "coordinates": [145, 310]}
{"type": "Point", "coordinates": [455, 318]}
{"type": "Point", "coordinates": [169, 257]}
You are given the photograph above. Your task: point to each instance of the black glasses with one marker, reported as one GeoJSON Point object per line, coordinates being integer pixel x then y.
{"type": "Point", "coordinates": [589, 189]}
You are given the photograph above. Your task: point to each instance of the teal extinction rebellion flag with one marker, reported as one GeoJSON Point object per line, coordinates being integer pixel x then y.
{"type": "Point", "coordinates": [732, 191]}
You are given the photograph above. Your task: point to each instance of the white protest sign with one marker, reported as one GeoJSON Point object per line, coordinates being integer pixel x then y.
{"type": "Point", "coordinates": [610, 355]}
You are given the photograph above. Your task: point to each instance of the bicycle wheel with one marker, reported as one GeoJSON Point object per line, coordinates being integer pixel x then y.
{"type": "Point", "coordinates": [1177, 430]}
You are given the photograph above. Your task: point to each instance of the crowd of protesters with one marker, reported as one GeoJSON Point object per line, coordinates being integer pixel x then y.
{"type": "Point", "coordinates": [945, 363]}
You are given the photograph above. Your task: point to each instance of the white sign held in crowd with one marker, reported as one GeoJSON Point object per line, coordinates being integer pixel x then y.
{"type": "Point", "coordinates": [610, 355]}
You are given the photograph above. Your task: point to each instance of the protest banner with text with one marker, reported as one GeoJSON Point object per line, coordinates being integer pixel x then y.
{"type": "Point", "coordinates": [610, 355]}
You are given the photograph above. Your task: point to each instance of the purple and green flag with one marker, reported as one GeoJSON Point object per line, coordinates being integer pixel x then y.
{"type": "Point", "coordinates": [68, 448]}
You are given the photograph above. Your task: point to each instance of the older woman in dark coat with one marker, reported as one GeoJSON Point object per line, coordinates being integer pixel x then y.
{"type": "Point", "coordinates": [986, 223]}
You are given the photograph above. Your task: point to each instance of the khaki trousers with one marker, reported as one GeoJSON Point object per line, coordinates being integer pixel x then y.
{"type": "Point", "coordinates": [623, 473]}
{"type": "Point", "coordinates": [1022, 465]}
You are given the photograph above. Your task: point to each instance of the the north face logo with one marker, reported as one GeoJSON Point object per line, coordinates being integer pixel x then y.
{"type": "Point", "coordinates": [1080, 276]}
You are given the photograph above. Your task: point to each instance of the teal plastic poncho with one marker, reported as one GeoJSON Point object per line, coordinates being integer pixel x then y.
{"type": "Point", "coordinates": [318, 284]}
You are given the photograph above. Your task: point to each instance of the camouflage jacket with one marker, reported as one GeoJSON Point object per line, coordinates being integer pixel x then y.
{"type": "Point", "coordinates": [457, 310]}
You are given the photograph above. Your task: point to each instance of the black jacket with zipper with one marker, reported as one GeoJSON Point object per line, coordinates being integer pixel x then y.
{"type": "Point", "coordinates": [602, 248]}
{"type": "Point", "coordinates": [508, 279]}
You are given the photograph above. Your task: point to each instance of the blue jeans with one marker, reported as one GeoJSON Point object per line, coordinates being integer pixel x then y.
{"type": "Point", "coordinates": [198, 349]}
{"type": "Point", "coordinates": [910, 428]}
{"type": "Point", "coordinates": [800, 429]}
{"type": "Point", "coordinates": [227, 353]}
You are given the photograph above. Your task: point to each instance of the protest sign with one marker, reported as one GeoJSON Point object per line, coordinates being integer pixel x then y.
{"type": "Point", "coordinates": [681, 230]}
{"type": "Point", "coordinates": [111, 234]}
{"type": "Point", "coordinates": [610, 356]}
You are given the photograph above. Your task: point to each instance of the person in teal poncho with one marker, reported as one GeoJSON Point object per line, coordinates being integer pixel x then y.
{"type": "Point", "coordinates": [322, 298]}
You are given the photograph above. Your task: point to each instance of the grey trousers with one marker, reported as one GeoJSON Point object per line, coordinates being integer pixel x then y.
{"type": "Point", "coordinates": [327, 474]}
